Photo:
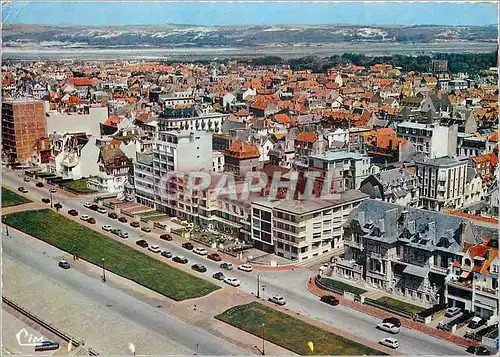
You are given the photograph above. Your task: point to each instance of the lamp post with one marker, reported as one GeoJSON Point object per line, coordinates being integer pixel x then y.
{"type": "Point", "coordinates": [7, 230]}
{"type": "Point", "coordinates": [51, 204]}
{"type": "Point", "coordinates": [263, 290]}
{"type": "Point", "coordinates": [263, 346]}
{"type": "Point", "coordinates": [103, 272]}
{"type": "Point", "coordinates": [258, 285]}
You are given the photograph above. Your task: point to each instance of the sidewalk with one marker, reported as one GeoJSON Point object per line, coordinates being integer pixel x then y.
{"type": "Point", "coordinates": [370, 310]}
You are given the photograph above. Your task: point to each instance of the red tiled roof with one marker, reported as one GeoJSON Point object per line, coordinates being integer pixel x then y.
{"type": "Point", "coordinates": [113, 121]}
{"type": "Point", "coordinates": [81, 81]}
{"type": "Point", "coordinates": [307, 136]}
{"type": "Point", "coordinates": [242, 150]}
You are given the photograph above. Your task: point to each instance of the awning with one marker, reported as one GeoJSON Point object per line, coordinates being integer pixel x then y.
{"type": "Point", "coordinates": [465, 274]}
{"type": "Point", "coordinates": [416, 271]}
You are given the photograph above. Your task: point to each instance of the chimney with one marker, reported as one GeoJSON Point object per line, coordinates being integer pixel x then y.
{"type": "Point", "coordinates": [381, 225]}
{"type": "Point", "coordinates": [411, 227]}
{"type": "Point", "coordinates": [404, 217]}
{"type": "Point", "coordinates": [432, 230]}
{"type": "Point", "coordinates": [361, 217]}
{"type": "Point", "coordinates": [391, 222]}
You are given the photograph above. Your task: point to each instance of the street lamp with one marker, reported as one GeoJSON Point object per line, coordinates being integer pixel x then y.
{"type": "Point", "coordinates": [263, 289]}
{"type": "Point", "coordinates": [258, 285]}
{"type": "Point", "coordinates": [51, 204]}
{"type": "Point", "coordinates": [103, 272]}
{"type": "Point", "coordinates": [7, 230]}
{"type": "Point", "coordinates": [263, 347]}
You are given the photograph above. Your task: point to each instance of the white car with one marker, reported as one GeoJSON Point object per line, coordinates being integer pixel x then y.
{"type": "Point", "coordinates": [245, 267]}
{"type": "Point", "coordinates": [84, 217]}
{"type": "Point", "coordinates": [154, 249]}
{"type": "Point", "coordinates": [388, 327]}
{"type": "Point", "coordinates": [87, 204]}
{"type": "Point", "coordinates": [278, 300]}
{"type": "Point", "coordinates": [389, 342]}
{"type": "Point", "coordinates": [101, 210]}
{"type": "Point", "coordinates": [106, 227]}
{"type": "Point", "coordinates": [53, 190]}
{"type": "Point", "coordinates": [200, 251]}
{"type": "Point", "coordinates": [232, 281]}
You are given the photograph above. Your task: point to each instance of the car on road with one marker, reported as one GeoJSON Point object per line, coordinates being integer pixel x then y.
{"type": "Point", "coordinates": [388, 327]}
{"type": "Point", "coordinates": [245, 267]}
{"type": "Point", "coordinates": [166, 254]}
{"type": "Point", "coordinates": [146, 229]}
{"type": "Point", "coordinates": [179, 259]}
{"type": "Point", "coordinates": [112, 215]}
{"type": "Point", "coordinates": [91, 220]}
{"type": "Point", "coordinates": [45, 200]}
{"type": "Point", "coordinates": [87, 204]}
{"type": "Point", "coordinates": [94, 207]}
{"type": "Point", "coordinates": [123, 235]}
{"type": "Point", "coordinates": [330, 300]}
{"type": "Point", "coordinates": [215, 257]}
{"type": "Point", "coordinates": [142, 243]}
{"type": "Point", "coordinates": [478, 350]}
{"type": "Point", "coordinates": [476, 322]}
{"type": "Point", "coordinates": [135, 224]}
{"type": "Point", "coordinates": [154, 249]}
{"type": "Point", "coordinates": [200, 251]}
{"type": "Point", "coordinates": [166, 237]}
{"type": "Point", "coordinates": [101, 210]}
{"type": "Point", "coordinates": [278, 300]}
{"type": "Point", "coordinates": [22, 189]}
{"type": "Point", "coordinates": [219, 276]}
{"type": "Point", "coordinates": [122, 219]}
{"type": "Point", "coordinates": [199, 268]}
{"type": "Point", "coordinates": [39, 184]}
{"type": "Point", "coordinates": [84, 217]}
{"type": "Point", "coordinates": [232, 281]}
{"type": "Point", "coordinates": [227, 266]}
{"type": "Point", "coordinates": [393, 320]}
{"type": "Point", "coordinates": [107, 228]}
{"type": "Point", "coordinates": [26, 179]}
{"type": "Point", "coordinates": [389, 342]}
{"type": "Point", "coordinates": [452, 311]}
{"type": "Point", "coordinates": [188, 246]}
{"type": "Point", "coordinates": [115, 230]}
{"type": "Point", "coordinates": [73, 212]}
{"type": "Point", "coordinates": [53, 190]}
{"type": "Point", "coordinates": [47, 346]}
{"type": "Point", "coordinates": [64, 264]}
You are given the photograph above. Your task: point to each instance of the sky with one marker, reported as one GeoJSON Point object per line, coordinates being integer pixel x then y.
{"type": "Point", "coordinates": [249, 13]}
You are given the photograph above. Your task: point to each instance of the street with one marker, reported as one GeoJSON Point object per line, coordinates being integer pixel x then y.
{"type": "Point", "coordinates": [290, 284]}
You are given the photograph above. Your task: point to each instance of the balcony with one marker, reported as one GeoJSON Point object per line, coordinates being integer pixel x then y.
{"type": "Point", "coordinates": [485, 290]}
{"type": "Point", "coordinates": [354, 244]}
{"type": "Point", "coordinates": [439, 270]}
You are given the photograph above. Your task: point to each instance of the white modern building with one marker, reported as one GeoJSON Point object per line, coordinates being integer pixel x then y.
{"type": "Point", "coordinates": [433, 140]}
{"type": "Point", "coordinates": [86, 119]}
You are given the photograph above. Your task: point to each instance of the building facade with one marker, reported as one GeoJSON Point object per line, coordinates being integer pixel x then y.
{"type": "Point", "coordinates": [433, 140]}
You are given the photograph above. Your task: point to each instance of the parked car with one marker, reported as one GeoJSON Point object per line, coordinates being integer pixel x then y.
{"type": "Point", "coordinates": [123, 235]}
{"type": "Point", "coordinates": [26, 179]}
{"type": "Point", "coordinates": [478, 350]}
{"type": "Point", "coordinates": [22, 189]}
{"type": "Point", "coordinates": [476, 322]}
{"type": "Point", "coordinates": [53, 190]}
{"type": "Point", "coordinates": [87, 204]}
{"type": "Point", "coordinates": [232, 281]}
{"type": "Point", "coordinates": [227, 266]}
{"type": "Point", "coordinates": [199, 268]}
{"type": "Point", "coordinates": [388, 327]}
{"type": "Point", "coordinates": [112, 215]}
{"type": "Point", "coordinates": [389, 342]}
{"type": "Point", "coordinates": [215, 257]}
{"type": "Point", "coordinates": [116, 231]}
{"type": "Point", "coordinates": [452, 311]}
{"type": "Point", "coordinates": [45, 200]}
{"type": "Point", "coordinates": [146, 229]}
{"type": "Point", "coordinates": [39, 184]}
{"type": "Point", "coordinates": [245, 267]}
{"type": "Point", "coordinates": [329, 299]}
{"type": "Point", "coordinates": [122, 219]}
{"type": "Point", "coordinates": [166, 237]}
{"type": "Point", "coordinates": [91, 220]}
{"type": "Point", "coordinates": [278, 300]}
{"type": "Point", "coordinates": [107, 228]}
{"type": "Point", "coordinates": [200, 251]}
{"type": "Point", "coordinates": [142, 243]}
{"type": "Point", "coordinates": [93, 207]}
{"type": "Point", "coordinates": [64, 264]}
{"type": "Point", "coordinates": [179, 259]}
{"type": "Point", "coordinates": [188, 246]}
{"type": "Point", "coordinates": [219, 276]}
{"type": "Point", "coordinates": [154, 248]}
{"type": "Point", "coordinates": [166, 254]}
{"type": "Point", "coordinates": [101, 210]}
{"type": "Point", "coordinates": [393, 320]}
{"type": "Point", "coordinates": [47, 346]}
{"type": "Point", "coordinates": [135, 224]}
{"type": "Point", "coordinates": [84, 217]}
{"type": "Point", "coordinates": [73, 212]}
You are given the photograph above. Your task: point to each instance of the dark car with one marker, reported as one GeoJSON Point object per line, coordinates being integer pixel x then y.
{"type": "Point", "coordinates": [199, 267]}
{"type": "Point", "coordinates": [64, 264]}
{"type": "Point", "coordinates": [330, 300]}
{"type": "Point", "coordinates": [122, 219]}
{"type": "Point", "coordinates": [187, 246]}
{"type": "Point", "coordinates": [22, 189]}
{"type": "Point", "coordinates": [142, 243]}
{"type": "Point", "coordinates": [94, 207]}
{"type": "Point", "coordinates": [58, 205]}
{"type": "Point", "coordinates": [146, 229]}
{"type": "Point", "coordinates": [166, 237]}
{"type": "Point", "coordinates": [135, 224]}
{"type": "Point", "coordinates": [478, 350]}
{"type": "Point", "coordinates": [47, 346]}
{"type": "Point", "coordinates": [179, 259]}
{"type": "Point", "coordinates": [39, 184]}
{"type": "Point", "coordinates": [476, 322]}
{"type": "Point", "coordinates": [215, 257]}
{"type": "Point", "coordinates": [45, 200]}
{"type": "Point", "coordinates": [112, 215]}
{"type": "Point", "coordinates": [392, 320]}
{"type": "Point", "coordinates": [91, 220]}
{"type": "Point", "coordinates": [166, 254]}
{"type": "Point", "coordinates": [73, 212]}
{"type": "Point", "coordinates": [219, 276]}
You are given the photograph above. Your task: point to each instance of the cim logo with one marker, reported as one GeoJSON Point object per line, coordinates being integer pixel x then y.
{"type": "Point", "coordinates": [24, 338]}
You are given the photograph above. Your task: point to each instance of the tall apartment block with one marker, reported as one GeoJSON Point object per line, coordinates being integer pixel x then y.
{"type": "Point", "coordinates": [23, 124]}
